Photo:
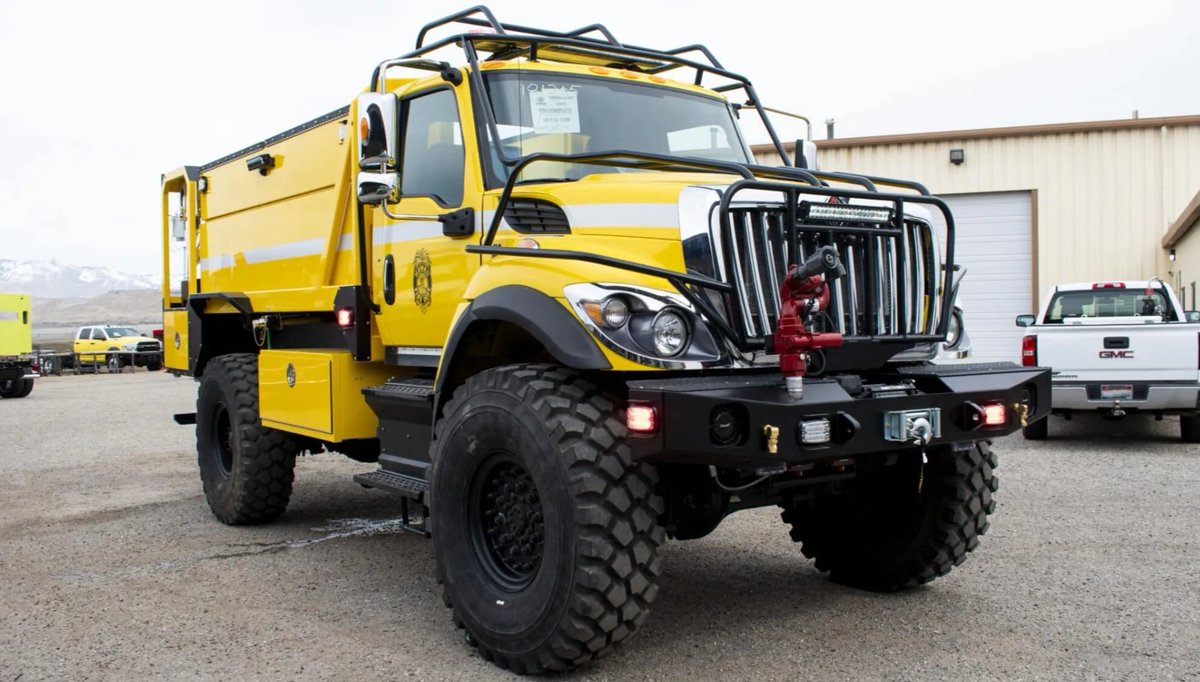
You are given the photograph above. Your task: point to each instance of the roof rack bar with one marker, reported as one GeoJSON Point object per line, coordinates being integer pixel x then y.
{"type": "Point", "coordinates": [458, 17]}
{"type": "Point", "coordinates": [697, 48]}
{"type": "Point", "coordinates": [580, 32]}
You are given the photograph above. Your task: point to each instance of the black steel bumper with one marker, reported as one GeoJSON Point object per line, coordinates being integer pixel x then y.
{"type": "Point", "coordinates": [687, 406]}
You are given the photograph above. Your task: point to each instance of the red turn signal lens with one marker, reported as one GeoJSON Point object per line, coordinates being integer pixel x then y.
{"type": "Point", "coordinates": [641, 418]}
{"type": "Point", "coordinates": [995, 414]}
{"type": "Point", "coordinates": [1029, 351]}
{"type": "Point", "coordinates": [345, 317]}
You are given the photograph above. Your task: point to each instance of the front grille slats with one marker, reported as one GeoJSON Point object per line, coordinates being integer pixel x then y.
{"type": "Point", "coordinates": [890, 288]}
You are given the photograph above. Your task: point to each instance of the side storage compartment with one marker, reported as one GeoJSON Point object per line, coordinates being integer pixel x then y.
{"type": "Point", "coordinates": [317, 393]}
{"type": "Point", "coordinates": [175, 339]}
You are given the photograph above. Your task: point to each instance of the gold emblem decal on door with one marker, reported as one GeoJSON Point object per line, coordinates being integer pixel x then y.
{"type": "Point", "coordinates": [422, 280]}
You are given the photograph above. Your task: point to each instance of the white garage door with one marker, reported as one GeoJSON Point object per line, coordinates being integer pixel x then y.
{"type": "Point", "coordinates": [994, 244]}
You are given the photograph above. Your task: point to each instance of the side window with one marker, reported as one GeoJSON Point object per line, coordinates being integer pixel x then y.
{"type": "Point", "coordinates": [85, 333]}
{"type": "Point", "coordinates": [433, 163]}
{"type": "Point", "coordinates": [98, 335]}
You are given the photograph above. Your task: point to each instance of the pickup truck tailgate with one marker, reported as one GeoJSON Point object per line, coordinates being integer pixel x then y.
{"type": "Point", "coordinates": [1120, 352]}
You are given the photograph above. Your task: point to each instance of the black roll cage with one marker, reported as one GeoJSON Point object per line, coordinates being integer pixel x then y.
{"type": "Point", "coordinates": [509, 41]}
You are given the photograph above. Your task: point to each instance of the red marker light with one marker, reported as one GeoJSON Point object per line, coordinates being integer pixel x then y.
{"type": "Point", "coordinates": [641, 418]}
{"type": "Point", "coordinates": [345, 317]}
{"type": "Point", "coordinates": [995, 414]}
{"type": "Point", "coordinates": [1108, 285]}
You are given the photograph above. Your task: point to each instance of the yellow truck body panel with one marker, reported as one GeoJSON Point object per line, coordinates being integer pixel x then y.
{"type": "Point", "coordinates": [16, 325]}
{"type": "Point", "coordinates": [317, 393]}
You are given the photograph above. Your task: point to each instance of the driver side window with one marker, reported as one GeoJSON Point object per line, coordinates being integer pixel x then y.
{"type": "Point", "coordinates": [434, 162]}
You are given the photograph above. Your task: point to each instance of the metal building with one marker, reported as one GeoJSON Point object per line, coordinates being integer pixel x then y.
{"type": "Point", "coordinates": [1038, 205]}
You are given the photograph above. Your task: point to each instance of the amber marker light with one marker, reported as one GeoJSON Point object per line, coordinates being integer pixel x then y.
{"type": "Point", "coordinates": [364, 129]}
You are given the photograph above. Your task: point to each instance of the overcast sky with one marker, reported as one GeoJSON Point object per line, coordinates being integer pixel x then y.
{"type": "Point", "coordinates": [99, 99]}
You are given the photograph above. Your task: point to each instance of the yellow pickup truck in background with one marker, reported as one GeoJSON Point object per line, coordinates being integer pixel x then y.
{"type": "Point", "coordinates": [117, 347]}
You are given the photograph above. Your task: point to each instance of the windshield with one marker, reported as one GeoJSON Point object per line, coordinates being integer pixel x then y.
{"type": "Point", "coordinates": [1108, 303]}
{"type": "Point", "coordinates": [118, 332]}
{"type": "Point", "coordinates": [537, 111]}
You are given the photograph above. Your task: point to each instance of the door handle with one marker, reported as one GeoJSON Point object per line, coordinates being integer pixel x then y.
{"type": "Point", "coordinates": [389, 279]}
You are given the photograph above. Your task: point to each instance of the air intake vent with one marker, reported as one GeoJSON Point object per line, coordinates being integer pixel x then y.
{"type": "Point", "coordinates": [532, 216]}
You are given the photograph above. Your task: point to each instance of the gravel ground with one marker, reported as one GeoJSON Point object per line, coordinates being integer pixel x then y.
{"type": "Point", "coordinates": [111, 567]}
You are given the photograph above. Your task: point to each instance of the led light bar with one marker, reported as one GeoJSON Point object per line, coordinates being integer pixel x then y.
{"type": "Point", "coordinates": [844, 212]}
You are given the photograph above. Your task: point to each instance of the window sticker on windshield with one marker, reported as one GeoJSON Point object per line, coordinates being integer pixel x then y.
{"type": "Point", "coordinates": [553, 109]}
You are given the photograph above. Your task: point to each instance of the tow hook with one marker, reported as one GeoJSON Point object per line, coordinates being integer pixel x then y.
{"type": "Point", "coordinates": [1022, 411]}
{"type": "Point", "coordinates": [1117, 410]}
{"type": "Point", "coordinates": [772, 434]}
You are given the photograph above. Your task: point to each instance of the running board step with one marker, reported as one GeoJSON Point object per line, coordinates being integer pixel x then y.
{"type": "Point", "coordinates": [394, 482]}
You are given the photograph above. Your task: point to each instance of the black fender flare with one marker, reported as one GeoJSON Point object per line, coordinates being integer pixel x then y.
{"type": "Point", "coordinates": [553, 326]}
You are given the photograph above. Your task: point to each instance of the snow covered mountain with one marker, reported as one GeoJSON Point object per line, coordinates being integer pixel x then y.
{"type": "Point", "coordinates": [50, 279]}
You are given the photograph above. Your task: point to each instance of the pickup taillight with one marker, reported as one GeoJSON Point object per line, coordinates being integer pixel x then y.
{"type": "Point", "coordinates": [1029, 351]}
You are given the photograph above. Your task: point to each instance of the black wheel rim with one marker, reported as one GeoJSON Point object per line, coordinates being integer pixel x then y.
{"type": "Point", "coordinates": [506, 522]}
{"type": "Point", "coordinates": [222, 440]}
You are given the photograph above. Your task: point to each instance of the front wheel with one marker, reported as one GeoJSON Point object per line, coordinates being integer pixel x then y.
{"type": "Point", "coordinates": [246, 468]}
{"type": "Point", "coordinates": [545, 531]}
{"type": "Point", "coordinates": [902, 525]}
{"type": "Point", "coordinates": [113, 362]}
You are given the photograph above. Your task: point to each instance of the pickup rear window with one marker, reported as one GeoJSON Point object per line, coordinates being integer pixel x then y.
{"type": "Point", "coordinates": [1108, 303]}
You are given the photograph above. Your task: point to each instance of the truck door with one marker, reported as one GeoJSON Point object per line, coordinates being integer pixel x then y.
{"type": "Point", "coordinates": [419, 271]}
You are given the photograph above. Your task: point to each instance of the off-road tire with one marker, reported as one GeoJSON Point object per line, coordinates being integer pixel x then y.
{"type": "Point", "coordinates": [1037, 430]}
{"type": "Point", "coordinates": [595, 576]}
{"type": "Point", "coordinates": [1189, 429]}
{"type": "Point", "coordinates": [246, 468]}
{"type": "Point", "coordinates": [16, 388]}
{"type": "Point", "coordinates": [883, 534]}
{"type": "Point", "coordinates": [154, 365]}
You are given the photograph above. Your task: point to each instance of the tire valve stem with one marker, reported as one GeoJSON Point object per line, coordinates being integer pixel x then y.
{"type": "Point", "coordinates": [772, 434]}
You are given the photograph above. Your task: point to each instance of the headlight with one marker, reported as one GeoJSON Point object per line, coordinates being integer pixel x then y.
{"type": "Point", "coordinates": [130, 346]}
{"type": "Point", "coordinates": [670, 333]}
{"type": "Point", "coordinates": [651, 327]}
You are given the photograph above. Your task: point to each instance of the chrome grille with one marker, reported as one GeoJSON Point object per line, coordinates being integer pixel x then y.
{"type": "Point", "coordinates": [891, 288]}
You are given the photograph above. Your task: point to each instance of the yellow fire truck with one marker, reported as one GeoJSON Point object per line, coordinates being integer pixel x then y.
{"type": "Point", "coordinates": [552, 294]}
{"type": "Point", "coordinates": [16, 343]}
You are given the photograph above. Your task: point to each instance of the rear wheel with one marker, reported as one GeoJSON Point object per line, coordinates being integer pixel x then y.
{"type": "Point", "coordinates": [1037, 430]}
{"type": "Point", "coordinates": [48, 366]}
{"type": "Point", "coordinates": [900, 526]}
{"type": "Point", "coordinates": [246, 468]}
{"type": "Point", "coordinates": [1189, 429]}
{"type": "Point", "coordinates": [546, 532]}
{"type": "Point", "coordinates": [16, 388]}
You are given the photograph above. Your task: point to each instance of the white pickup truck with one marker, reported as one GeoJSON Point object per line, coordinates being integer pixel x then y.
{"type": "Point", "coordinates": [1116, 348]}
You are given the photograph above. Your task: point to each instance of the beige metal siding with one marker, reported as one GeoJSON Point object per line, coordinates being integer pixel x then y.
{"type": "Point", "coordinates": [1105, 197]}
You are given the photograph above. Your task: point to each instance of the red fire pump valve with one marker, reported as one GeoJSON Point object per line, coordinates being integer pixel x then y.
{"type": "Point", "coordinates": [804, 293]}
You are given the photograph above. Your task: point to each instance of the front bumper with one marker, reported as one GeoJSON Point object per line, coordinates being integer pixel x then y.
{"type": "Point", "coordinates": [1180, 397]}
{"type": "Point", "coordinates": [687, 407]}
